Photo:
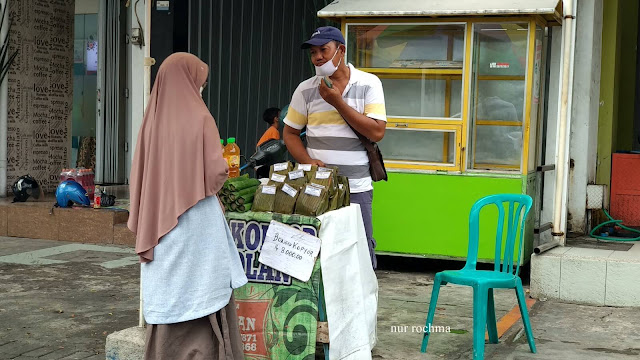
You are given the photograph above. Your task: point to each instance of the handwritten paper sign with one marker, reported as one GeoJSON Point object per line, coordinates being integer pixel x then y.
{"type": "Point", "coordinates": [289, 250]}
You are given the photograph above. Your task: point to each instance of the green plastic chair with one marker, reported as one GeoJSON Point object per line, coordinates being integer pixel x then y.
{"type": "Point", "coordinates": [504, 275]}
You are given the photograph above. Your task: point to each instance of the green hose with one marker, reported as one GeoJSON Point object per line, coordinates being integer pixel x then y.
{"type": "Point", "coordinates": [615, 223]}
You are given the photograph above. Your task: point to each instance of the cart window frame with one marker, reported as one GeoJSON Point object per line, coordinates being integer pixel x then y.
{"type": "Point", "coordinates": [447, 129]}
{"type": "Point", "coordinates": [425, 123]}
{"type": "Point", "coordinates": [462, 126]}
{"type": "Point", "coordinates": [470, 165]}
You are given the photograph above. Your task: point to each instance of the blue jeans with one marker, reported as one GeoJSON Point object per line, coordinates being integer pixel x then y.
{"type": "Point", "coordinates": [364, 200]}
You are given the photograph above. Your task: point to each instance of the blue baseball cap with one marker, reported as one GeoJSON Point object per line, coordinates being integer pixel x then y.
{"type": "Point", "coordinates": [323, 35]}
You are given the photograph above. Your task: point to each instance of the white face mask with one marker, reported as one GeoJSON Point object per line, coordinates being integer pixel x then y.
{"type": "Point", "coordinates": [201, 89]}
{"type": "Point", "coordinates": [328, 69]}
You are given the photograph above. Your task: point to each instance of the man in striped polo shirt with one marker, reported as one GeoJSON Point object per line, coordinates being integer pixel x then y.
{"type": "Point", "coordinates": [355, 100]}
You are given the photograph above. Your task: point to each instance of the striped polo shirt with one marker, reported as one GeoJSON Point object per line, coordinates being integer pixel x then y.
{"type": "Point", "coordinates": [329, 137]}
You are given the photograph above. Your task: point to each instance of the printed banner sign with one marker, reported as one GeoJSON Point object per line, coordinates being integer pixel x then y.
{"type": "Point", "coordinates": [277, 313]}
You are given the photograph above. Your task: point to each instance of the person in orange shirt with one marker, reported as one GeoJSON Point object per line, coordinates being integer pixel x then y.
{"type": "Point", "coordinates": [272, 117]}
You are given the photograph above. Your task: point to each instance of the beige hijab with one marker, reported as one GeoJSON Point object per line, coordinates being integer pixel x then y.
{"type": "Point", "coordinates": [178, 159]}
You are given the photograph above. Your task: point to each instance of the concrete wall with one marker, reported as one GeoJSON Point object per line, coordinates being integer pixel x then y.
{"type": "Point", "coordinates": [608, 114]}
{"type": "Point", "coordinates": [617, 90]}
{"type": "Point", "coordinates": [40, 90]}
{"type": "Point", "coordinates": [135, 84]}
{"type": "Point", "coordinates": [584, 112]}
{"type": "Point", "coordinates": [583, 116]}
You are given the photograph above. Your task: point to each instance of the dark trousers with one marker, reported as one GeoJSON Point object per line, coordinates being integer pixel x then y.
{"type": "Point", "coordinates": [364, 200]}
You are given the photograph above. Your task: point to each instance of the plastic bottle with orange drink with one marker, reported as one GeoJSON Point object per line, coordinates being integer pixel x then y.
{"type": "Point", "coordinates": [231, 154]}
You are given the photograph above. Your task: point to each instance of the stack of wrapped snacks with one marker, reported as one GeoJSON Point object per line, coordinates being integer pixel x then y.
{"type": "Point", "coordinates": [280, 168]}
{"type": "Point", "coordinates": [309, 170]}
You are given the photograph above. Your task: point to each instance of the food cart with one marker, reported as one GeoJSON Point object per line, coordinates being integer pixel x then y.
{"type": "Point", "coordinates": [464, 85]}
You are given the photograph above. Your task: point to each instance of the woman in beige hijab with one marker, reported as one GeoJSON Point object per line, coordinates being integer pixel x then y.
{"type": "Point", "coordinates": [190, 263]}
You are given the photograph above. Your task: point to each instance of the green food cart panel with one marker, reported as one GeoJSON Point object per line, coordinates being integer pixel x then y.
{"type": "Point", "coordinates": [428, 214]}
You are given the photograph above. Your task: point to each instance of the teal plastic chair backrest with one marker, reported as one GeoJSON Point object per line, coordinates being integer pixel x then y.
{"type": "Point", "coordinates": [518, 207]}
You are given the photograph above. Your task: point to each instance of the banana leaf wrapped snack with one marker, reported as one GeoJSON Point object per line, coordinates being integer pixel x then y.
{"type": "Point", "coordinates": [285, 201]}
{"type": "Point", "coordinates": [244, 207]}
{"type": "Point", "coordinates": [340, 196]}
{"type": "Point", "coordinates": [334, 202]}
{"type": "Point", "coordinates": [264, 199]}
{"type": "Point", "coordinates": [309, 170]}
{"type": "Point", "coordinates": [326, 177]}
{"type": "Point", "coordinates": [296, 178]}
{"type": "Point", "coordinates": [347, 190]}
{"type": "Point", "coordinates": [238, 191]}
{"type": "Point", "coordinates": [312, 201]}
{"type": "Point", "coordinates": [280, 168]}
{"type": "Point", "coordinates": [277, 179]}
{"type": "Point", "coordinates": [243, 196]}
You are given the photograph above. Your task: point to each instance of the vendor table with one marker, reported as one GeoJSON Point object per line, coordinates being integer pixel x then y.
{"type": "Point", "coordinates": [281, 317]}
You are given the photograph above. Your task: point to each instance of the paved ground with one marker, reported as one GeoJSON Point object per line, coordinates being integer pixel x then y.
{"type": "Point", "coordinates": [561, 330]}
{"type": "Point", "coordinates": [63, 310]}
{"type": "Point", "coordinates": [60, 301]}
